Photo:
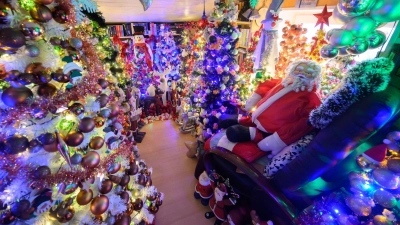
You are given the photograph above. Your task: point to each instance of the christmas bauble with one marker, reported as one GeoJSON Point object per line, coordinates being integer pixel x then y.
{"type": "Point", "coordinates": [18, 209]}
{"type": "Point", "coordinates": [77, 108]}
{"type": "Point", "coordinates": [41, 13]}
{"type": "Point", "coordinates": [47, 138]}
{"type": "Point", "coordinates": [26, 78]}
{"type": "Point", "coordinates": [76, 43]}
{"type": "Point", "coordinates": [103, 100]}
{"type": "Point", "coordinates": [103, 83]}
{"type": "Point", "coordinates": [125, 196]}
{"type": "Point", "coordinates": [384, 198]}
{"type": "Point", "coordinates": [133, 169]}
{"type": "Point", "coordinates": [7, 218]}
{"type": "Point", "coordinates": [358, 206]}
{"type": "Point", "coordinates": [86, 125]}
{"type": "Point", "coordinates": [74, 138]}
{"type": "Point", "coordinates": [124, 180]}
{"type": "Point", "coordinates": [55, 41]}
{"type": "Point", "coordinates": [34, 146]}
{"type": "Point", "coordinates": [69, 188]}
{"type": "Point", "coordinates": [47, 90]}
{"type": "Point", "coordinates": [159, 202]}
{"type": "Point", "coordinates": [60, 77]}
{"type": "Point", "coordinates": [44, 2]}
{"type": "Point", "coordinates": [42, 78]}
{"type": "Point", "coordinates": [16, 144]}
{"type": "Point", "coordinates": [153, 209]}
{"type": "Point", "coordinates": [64, 44]}
{"type": "Point", "coordinates": [53, 147]}
{"type": "Point", "coordinates": [42, 172]}
{"type": "Point", "coordinates": [142, 180]}
{"type": "Point", "coordinates": [14, 96]}
{"type": "Point", "coordinates": [137, 204]}
{"type": "Point", "coordinates": [98, 89]}
{"type": "Point", "coordinates": [382, 220]}
{"type": "Point", "coordinates": [68, 215]}
{"type": "Point", "coordinates": [76, 159]}
{"type": "Point", "coordinates": [149, 181]}
{"type": "Point", "coordinates": [91, 159]}
{"type": "Point", "coordinates": [99, 121]}
{"type": "Point", "coordinates": [60, 15]}
{"type": "Point", "coordinates": [96, 143]}
{"type": "Point", "coordinates": [105, 113]}
{"type": "Point", "coordinates": [106, 186]}
{"type": "Point", "coordinates": [114, 110]}
{"type": "Point", "coordinates": [113, 168]}
{"type": "Point", "coordinates": [32, 51]}
{"type": "Point", "coordinates": [115, 179]}
{"type": "Point", "coordinates": [38, 113]}
{"type": "Point", "coordinates": [394, 165]}
{"type": "Point", "coordinates": [123, 220]}
{"type": "Point", "coordinates": [213, 39]}
{"type": "Point", "coordinates": [151, 197]}
{"type": "Point", "coordinates": [110, 220]}
{"type": "Point", "coordinates": [99, 205]}
{"type": "Point", "coordinates": [11, 39]}
{"type": "Point", "coordinates": [386, 178]}
{"type": "Point", "coordinates": [32, 29]}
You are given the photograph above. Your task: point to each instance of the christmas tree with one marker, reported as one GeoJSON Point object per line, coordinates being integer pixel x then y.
{"type": "Point", "coordinates": [220, 66]}
{"type": "Point", "coordinates": [64, 153]}
{"type": "Point", "coordinates": [167, 54]}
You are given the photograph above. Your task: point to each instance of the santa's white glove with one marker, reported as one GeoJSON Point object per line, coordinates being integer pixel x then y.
{"type": "Point", "coordinates": [272, 143]}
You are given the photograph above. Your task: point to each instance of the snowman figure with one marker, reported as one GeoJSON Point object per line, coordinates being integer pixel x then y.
{"type": "Point", "coordinates": [141, 46]}
{"type": "Point", "coordinates": [73, 70]}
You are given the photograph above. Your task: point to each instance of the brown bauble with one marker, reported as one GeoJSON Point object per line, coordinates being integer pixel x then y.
{"type": "Point", "coordinates": [60, 77]}
{"type": "Point", "coordinates": [103, 83]}
{"type": "Point", "coordinates": [42, 172]}
{"type": "Point", "coordinates": [114, 179]}
{"type": "Point", "coordinates": [123, 220]}
{"type": "Point", "coordinates": [153, 209]}
{"type": "Point", "coordinates": [159, 202]}
{"type": "Point", "coordinates": [124, 180]}
{"type": "Point", "coordinates": [84, 197]}
{"type": "Point", "coordinates": [142, 180]}
{"type": "Point", "coordinates": [114, 110]}
{"type": "Point", "coordinates": [60, 15]}
{"type": "Point", "coordinates": [47, 138]}
{"type": "Point", "coordinates": [76, 108]}
{"type": "Point", "coordinates": [41, 13]}
{"type": "Point", "coordinates": [51, 147]}
{"type": "Point", "coordinates": [99, 121]}
{"type": "Point", "coordinates": [86, 125]}
{"type": "Point", "coordinates": [18, 209]}
{"type": "Point", "coordinates": [96, 143]}
{"type": "Point", "coordinates": [151, 197]}
{"type": "Point", "coordinates": [11, 39]}
{"type": "Point", "coordinates": [74, 138]}
{"type": "Point", "coordinates": [113, 168]}
{"type": "Point", "coordinates": [26, 78]}
{"type": "Point", "coordinates": [91, 159]}
{"type": "Point", "coordinates": [149, 181]}
{"type": "Point", "coordinates": [15, 96]}
{"type": "Point", "coordinates": [133, 169]}
{"type": "Point", "coordinates": [99, 205]}
{"type": "Point", "coordinates": [7, 218]}
{"type": "Point", "coordinates": [47, 90]}
{"type": "Point", "coordinates": [34, 146]}
{"type": "Point", "coordinates": [103, 100]}
{"type": "Point", "coordinates": [106, 186]}
{"type": "Point", "coordinates": [44, 2]}
{"type": "Point", "coordinates": [137, 204]}
{"type": "Point", "coordinates": [125, 196]}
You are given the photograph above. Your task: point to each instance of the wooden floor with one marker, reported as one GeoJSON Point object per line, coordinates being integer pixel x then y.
{"type": "Point", "coordinates": [163, 149]}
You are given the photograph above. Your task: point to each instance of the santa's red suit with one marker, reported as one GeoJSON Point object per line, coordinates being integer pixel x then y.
{"type": "Point", "coordinates": [218, 207]}
{"type": "Point", "coordinates": [280, 118]}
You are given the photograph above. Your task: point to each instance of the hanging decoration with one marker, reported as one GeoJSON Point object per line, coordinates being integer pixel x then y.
{"type": "Point", "coordinates": [146, 4]}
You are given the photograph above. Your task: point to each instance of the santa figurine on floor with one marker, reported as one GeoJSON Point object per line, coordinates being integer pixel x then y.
{"type": "Point", "coordinates": [281, 111]}
{"type": "Point", "coordinates": [203, 188]}
{"type": "Point", "coordinates": [141, 46]}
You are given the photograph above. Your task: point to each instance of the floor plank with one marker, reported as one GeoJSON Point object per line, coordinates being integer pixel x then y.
{"type": "Point", "coordinates": [163, 149]}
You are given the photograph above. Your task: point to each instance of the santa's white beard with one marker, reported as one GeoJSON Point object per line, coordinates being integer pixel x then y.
{"type": "Point", "coordinates": [298, 83]}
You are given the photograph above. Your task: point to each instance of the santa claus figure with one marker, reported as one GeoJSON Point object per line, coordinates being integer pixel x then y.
{"type": "Point", "coordinates": [219, 201]}
{"type": "Point", "coordinates": [203, 187]}
{"type": "Point", "coordinates": [281, 110]}
{"type": "Point", "coordinates": [141, 47]}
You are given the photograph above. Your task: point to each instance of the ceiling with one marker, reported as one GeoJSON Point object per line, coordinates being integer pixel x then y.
{"type": "Point", "coordinates": [117, 11]}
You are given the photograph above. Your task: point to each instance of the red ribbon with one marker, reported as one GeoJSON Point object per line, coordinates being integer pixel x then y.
{"type": "Point", "coordinates": [147, 55]}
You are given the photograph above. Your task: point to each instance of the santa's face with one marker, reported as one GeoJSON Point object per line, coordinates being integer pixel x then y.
{"type": "Point", "coordinates": [219, 195]}
{"type": "Point", "coordinates": [139, 39]}
{"type": "Point", "coordinates": [304, 71]}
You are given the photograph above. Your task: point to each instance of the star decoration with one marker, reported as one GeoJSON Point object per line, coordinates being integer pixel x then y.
{"type": "Point", "coordinates": [323, 18]}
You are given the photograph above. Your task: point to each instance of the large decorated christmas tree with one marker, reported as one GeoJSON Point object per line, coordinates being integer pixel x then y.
{"type": "Point", "coordinates": [64, 153]}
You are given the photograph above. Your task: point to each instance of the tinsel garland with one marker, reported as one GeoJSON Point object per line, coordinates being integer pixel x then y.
{"type": "Point", "coordinates": [63, 175]}
{"type": "Point", "coordinates": [365, 78]}
{"type": "Point", "coordinates": [272, 36]}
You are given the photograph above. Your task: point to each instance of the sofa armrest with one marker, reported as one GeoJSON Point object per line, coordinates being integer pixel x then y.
{"type": "Point", "coordinates": [278, 198]}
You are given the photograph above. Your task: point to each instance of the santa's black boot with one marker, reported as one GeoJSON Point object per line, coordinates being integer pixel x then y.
{"type": "Point", "coordinates": [197, 195]}
{"type": "Point", "coordinates": [209, 215]}
{"type": "Point", "coordinates": [205, 201]}
{"type": "Point", "coordinates": [238, 133]}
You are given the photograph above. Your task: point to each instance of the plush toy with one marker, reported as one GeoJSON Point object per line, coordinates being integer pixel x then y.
{"type": "Point", "coordinates": [282, 108]}
{"type": "Point", "coordinates": [393, 140]}
{"type": "Point", "coordinates": [141, 46]}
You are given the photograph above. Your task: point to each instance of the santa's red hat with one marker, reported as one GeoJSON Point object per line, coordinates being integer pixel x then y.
{"type": "Point", "coordinates": [376, 154]}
